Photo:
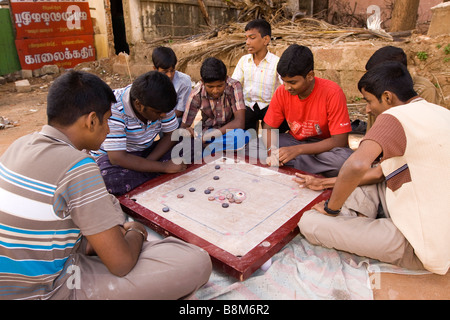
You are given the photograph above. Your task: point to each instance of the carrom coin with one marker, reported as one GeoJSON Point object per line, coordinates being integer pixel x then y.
{"type": "Point", "coordinates": [265, 244]}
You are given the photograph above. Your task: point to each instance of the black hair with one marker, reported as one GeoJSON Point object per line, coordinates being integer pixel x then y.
{"type": "Point", "coordinates": [75, 94]}
{"type": "Point", "coordinates": [261, 25]}
{"type": "Point", "coordinates": [154, 89]}
{"type": "Point", "coordinates": [213, 69]}
{"type": "Point", "coordinates": [388, 76]}
{"type": "Point", "coordinates": [295, 61]}
{"type": "Point", "coordinates": [388, 53]}
{"type": "Point", "coordinates": [164, 58]}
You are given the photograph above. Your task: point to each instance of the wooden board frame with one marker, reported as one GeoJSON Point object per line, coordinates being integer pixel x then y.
{"type": "Point", "coordinates": [239, 267]}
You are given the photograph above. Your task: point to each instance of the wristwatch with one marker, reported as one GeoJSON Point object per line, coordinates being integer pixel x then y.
{"type": "Point", "coordinates": [329, 211]}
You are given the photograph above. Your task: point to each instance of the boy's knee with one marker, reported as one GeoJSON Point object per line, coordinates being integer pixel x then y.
{"type": "Point", "coordinates": [197, 263]}
{"type": "Point", "coordinates": [202, 263]}
{"type": "Point", "coordinates": [307, 224]}
{"type": "Point", "coordinates": [314, 225]}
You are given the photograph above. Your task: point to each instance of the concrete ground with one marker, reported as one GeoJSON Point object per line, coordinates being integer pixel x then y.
{"type": "Point", "coordinates": [413, 287]}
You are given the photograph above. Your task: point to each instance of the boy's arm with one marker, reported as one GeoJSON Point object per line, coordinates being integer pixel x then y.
{"type": "Point", "coordinates": [164, 145]}
{"type": "Point", "coordinates": [119, 247]}
{"type": "Point", "coordinates": [237, 123]}
{"type": "Point", "coordinates": [136, 163]}
{"type": "Point", "coordinates": [183, 94]}
{"type": "Point", "coordinates": [352, 173]}
{"type": "Point", "coordinates": [238, 105]}
{"type": "Point", "coordinates": [193, 105]}
{"type": "Point", "coordinates": [238, 73]}
{"type": "Point", "coordinates": [82, 194]}
{"type": "Point", "coordinates": [270, 138]}
{"type": "Point", "coordinates": [372, 176]}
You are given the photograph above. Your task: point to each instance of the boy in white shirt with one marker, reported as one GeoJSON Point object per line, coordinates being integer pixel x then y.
{"type": "Point", "coordinates": [257, 72]}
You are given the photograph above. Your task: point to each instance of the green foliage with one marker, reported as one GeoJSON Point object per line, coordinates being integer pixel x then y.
{"type": "Point", "coordinates": [447, 49]}
{"type": "Point", "coordinates": [422, 55]}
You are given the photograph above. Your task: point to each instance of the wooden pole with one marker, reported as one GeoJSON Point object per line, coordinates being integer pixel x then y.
{"type": "Point", "coordinates": [404, 15]}
{"type": "Point", "coordinates": [202, 7]}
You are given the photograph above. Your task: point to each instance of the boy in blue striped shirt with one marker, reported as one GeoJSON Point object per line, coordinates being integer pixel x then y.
{"type": "Point", "coordinates": [130, 154]}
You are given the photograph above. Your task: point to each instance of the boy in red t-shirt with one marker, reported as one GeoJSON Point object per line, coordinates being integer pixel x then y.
{"type": "Point", "coordinates": [316, 112]}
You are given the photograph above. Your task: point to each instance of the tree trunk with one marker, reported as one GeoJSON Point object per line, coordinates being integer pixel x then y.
{"type": "Point", "coordinates": [404, 15]}
{"type": "Point", "coordinates": [202, 7]}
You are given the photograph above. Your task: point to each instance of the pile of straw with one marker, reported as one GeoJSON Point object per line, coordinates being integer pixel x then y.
{"type": "Point", "coordinates": [230, 40]}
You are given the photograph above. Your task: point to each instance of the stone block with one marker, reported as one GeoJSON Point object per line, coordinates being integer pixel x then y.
{"type": "Point", "coordinates": [348, 57]}
{"type": "Point", "coordinates": [138, 69]}
{"type": "Point", "coordinates": [26, 74]}
{"type": "Point", "coordinates": [50, 69]}
{"type": "Point", "coordinates": [23, 86]}
{"type": "Point", "coordinates": [327, 58]}
{"type": "Point", "coordinates": [440, 22]}
{"type": "Point", "coordinates": [37, 73]}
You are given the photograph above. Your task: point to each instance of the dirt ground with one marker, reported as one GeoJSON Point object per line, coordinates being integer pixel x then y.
{"type": "Point", "coordinates": [26, 113]}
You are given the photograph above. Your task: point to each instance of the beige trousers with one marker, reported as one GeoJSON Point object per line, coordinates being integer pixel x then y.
{"type": "Point", "coordinates": [374, 236]}
{"type": "Point", "coordinates": [167, 269]}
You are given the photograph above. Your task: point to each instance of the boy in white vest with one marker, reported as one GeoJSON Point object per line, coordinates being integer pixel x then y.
{"type": "Point", "coordinates": [414, 231]}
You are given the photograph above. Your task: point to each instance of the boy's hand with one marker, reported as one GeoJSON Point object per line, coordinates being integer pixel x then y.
{"type": "Point", "coordinates": [273, 159]}
{"type": "Point", "coordinates": [171, 167]}
{"type": "Point", "coordinates": [320, 208]}
{"type": "Point", "coordinates": [310, 182]}
{"type": "Point", "coordinates": [134, 225]}
{"type": "Point", "coordinates": [286, 154]}
{"type": "Point", "coordinates": [191, 131]}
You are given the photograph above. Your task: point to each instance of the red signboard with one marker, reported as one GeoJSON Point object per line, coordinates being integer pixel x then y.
{"type": "Point", "coordinates": [51, 19]}
{"type": "Point", "coordinates": [64, 52]}
{"type": "Point", "coordinates": [51, 32]}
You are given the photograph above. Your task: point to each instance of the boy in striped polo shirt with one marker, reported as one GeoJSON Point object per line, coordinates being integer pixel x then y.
{"type": "Point", "coordinates": [62, 235]}
{"type": "Point", "coordinates": [130, 156]}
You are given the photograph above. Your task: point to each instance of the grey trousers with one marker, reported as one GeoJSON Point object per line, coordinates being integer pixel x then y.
{"type": "Point", "coordinates": [372, 235]}
{"type": "Point", "coordinates": [167, 269]}
{"type": "Point", "coordinates": [326, 163]}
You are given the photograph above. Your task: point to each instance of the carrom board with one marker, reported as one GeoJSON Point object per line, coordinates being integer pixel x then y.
{"type": "Point", "coordinates": [239, 237]}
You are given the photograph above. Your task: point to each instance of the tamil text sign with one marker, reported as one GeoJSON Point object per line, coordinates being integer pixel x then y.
{"type": "Point", "coordinates": [49, 32]}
